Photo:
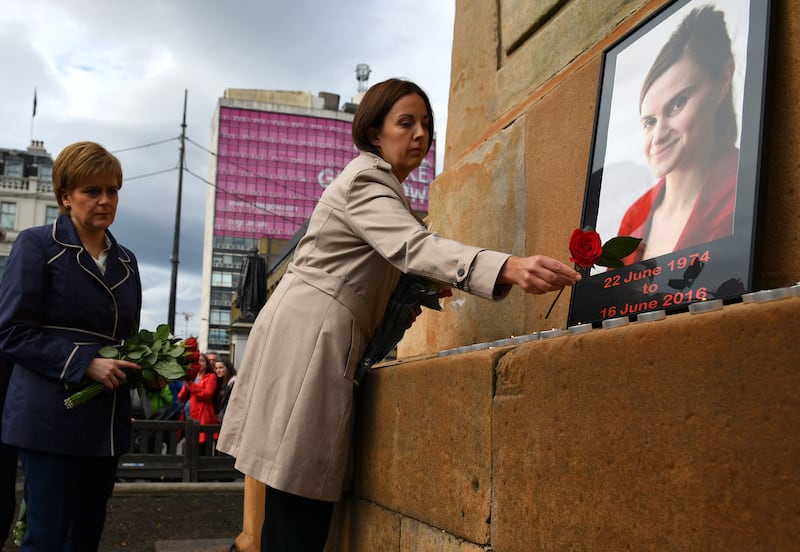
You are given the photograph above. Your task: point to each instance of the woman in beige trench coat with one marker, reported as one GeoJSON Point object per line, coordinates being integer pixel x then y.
{"type": "Point", "coordinates": [289, 420]}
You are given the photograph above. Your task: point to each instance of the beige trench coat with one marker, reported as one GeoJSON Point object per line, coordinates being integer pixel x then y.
{"type": "Point", "coordinates": [289, 420]}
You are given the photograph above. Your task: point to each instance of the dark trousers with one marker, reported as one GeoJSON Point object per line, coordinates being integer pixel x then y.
{"type": "Point", "coordinates": [66, 498]}
{"type": "Point", "coordinates": [8, 498]}
{"type": "Point", "coordinates": [294, 523]}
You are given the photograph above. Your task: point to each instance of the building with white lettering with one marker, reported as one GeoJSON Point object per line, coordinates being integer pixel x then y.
{"type": "Point", "coordinates": [274, 152]}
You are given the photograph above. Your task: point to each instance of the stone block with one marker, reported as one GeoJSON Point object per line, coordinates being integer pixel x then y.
{"type": "Point", "coordinates": [423, 441]}
{"type": "Point", "coordinates": [780, 182]}
{"type": "Point", "coordinates": [472, 83]}
{"type": "Point", "coordinates": [416, 536]}
{"type": "Point", "coordinates": [558, 138]}
{"type": "Point", "coordinates": [672, 435]}
{"type": "Point", "coordinates": [361, 526]}
{"type": "Point", "coordinates": [479, 201]}
{"type": "Point", "coordinates": [548, 51]}
{"type": "Point", "coordinates": [521, 18]}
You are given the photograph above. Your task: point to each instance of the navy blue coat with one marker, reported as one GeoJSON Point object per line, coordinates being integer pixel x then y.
{"type": "Point", "coordinates": [56, 311]}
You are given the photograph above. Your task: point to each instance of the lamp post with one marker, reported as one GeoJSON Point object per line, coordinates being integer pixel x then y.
{"type": "Point", "coordinates": [177, 234]}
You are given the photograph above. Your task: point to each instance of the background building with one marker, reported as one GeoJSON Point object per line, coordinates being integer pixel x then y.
{"type": "Point", "coordinates": [275, 152]}
{"type": "Point", "coordinates": [26, 193]}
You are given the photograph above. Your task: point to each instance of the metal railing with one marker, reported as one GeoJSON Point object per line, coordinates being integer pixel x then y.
{"type": "Point", "coordinates": [170, 450]}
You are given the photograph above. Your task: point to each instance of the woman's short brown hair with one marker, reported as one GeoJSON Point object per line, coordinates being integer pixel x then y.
{"type": "Point", "coordinates": [377, 102]}
{"type": "Point", "coordinates": [80, 161]}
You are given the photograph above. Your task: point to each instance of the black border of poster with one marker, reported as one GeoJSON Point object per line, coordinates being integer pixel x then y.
{"type": "Point", "coordinates": [718, 269]}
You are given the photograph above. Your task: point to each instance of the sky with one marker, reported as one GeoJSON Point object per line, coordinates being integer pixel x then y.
{"type": "Point", "coordinates": [115, 72]}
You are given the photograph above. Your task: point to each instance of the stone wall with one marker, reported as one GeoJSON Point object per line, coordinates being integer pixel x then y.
{"type": "Point", "coordinates": [671, 435]}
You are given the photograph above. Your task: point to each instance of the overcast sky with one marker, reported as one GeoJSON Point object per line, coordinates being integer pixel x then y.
{"type": "Point", "coordinates": [115, 72]}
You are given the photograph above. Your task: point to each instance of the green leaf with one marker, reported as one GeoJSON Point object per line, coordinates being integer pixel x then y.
{"type": "Point", "coordinates": [137, 354]}
{"type": "Point", "coordinates": [620, 247]}
{"type": "Point", "coordinates": [146, 336]}
{"type": "Point", "coordinates": [163, 332]}
{"type": "Point", "coordinates": [169, 369]}
{"type": "Point", "coordinates": [151, 359]}
{"type": "Point", "coordinates": [109, 351]}
{"type": "Point", "coordinates": [175, 351]}
{"type": "Point", "coordinates": [149, 376]}
{"type": "Point", "coordinates": [609, 262]}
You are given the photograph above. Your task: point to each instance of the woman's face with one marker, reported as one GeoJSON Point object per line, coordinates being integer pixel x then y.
{"type": "Point", "coordinates": [678, 118]}
{"type": "Point", "coordinates": [220, 370]}
{"type": "Point", "coordinates": [203, 362]}
{"type": "Point", "coordinates": [93, 203]}
{"type": "Point", "coordinates": [403, 139]}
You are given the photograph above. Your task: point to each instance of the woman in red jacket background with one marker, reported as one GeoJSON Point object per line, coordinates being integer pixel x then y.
{"type": "Point", "coordinates": [200, 391]}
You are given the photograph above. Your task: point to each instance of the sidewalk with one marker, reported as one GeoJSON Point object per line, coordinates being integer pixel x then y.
{"type": "Point", "coordinates": [196, 545]}
{"type": "Point", "coordinates": [171, 517]}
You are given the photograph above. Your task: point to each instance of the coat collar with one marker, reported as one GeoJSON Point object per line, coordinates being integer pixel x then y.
{"type": "Point", "coordinates": [65, 234]}
{"type": "Point", "coordinates": [380, 163]}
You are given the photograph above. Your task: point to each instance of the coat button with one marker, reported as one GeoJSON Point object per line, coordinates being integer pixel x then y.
{"type": "Point", "coordinates": [460, 272]}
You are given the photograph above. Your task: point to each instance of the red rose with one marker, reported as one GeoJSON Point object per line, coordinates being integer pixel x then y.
{"type": "Point", "coordinates": [190, 343]}
{"type": "Point", "coordinates": [191, 371]}
{"type": "Point", "coordinates": [585, 247]}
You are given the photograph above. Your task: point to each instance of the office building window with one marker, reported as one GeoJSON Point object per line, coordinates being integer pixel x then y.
{"type": "Point", "coordinates": [219, 317]}
{"type": "Point", "coordinates": [221, 279]}
{"type": "Point", "coordinates": [218, 337]}
{"type": "Point", "coordinates": [222, 297]}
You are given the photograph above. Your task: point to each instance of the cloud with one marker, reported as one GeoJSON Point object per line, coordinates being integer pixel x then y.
{"type": "Point", "coordinates": [116, 73]}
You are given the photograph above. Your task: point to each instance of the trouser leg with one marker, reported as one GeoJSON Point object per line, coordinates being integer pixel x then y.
{"type": "Point", "coordinates": [66, 497]}
{"type": "Point", "coordinates": [294, 523]}
{"type": "Point", "coordinates": [8, 481]}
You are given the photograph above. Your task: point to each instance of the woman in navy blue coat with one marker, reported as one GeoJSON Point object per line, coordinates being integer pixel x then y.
{"type": "Point", "coordinates": [69, 289]}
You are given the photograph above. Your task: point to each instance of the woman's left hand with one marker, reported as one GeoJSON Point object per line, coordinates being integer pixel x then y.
{"type": "Point", "coordinates": [109, 371]}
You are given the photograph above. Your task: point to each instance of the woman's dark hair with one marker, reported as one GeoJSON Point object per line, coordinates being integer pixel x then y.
{"type": "Point", "coordinates": [230, 371]}
{"type": "Point", "coordinates": [703, 36]}
{"type": "Point", "coordinates": [377, 102]}
{"type": "Point", "coordinates": [208, 368]}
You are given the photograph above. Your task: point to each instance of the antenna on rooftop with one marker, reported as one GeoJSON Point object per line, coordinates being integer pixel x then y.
{"type": "Point", "coordinates": [362, 76]}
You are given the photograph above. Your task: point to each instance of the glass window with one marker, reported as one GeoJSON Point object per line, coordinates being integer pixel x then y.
{"type": "Point", "coordinates": [222, 279]}
{"type": "Point", "coordinates": [50, 214]}
{"type": "Point", "coordinates": [46, 172]}
{"type": "Point", "coordinates": [222, 297]}
{"type": "Point", "coordinates": [219, 316]}
{"type": "Point", "coordinates": [14, 167]}
{"type": "Point", "coordinates": [8, 215]}
{"type": "Point", "coordinates": [218, 336]}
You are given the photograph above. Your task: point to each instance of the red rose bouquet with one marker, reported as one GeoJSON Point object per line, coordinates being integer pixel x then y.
{"type": "Point", "coordinates": [160, 355]}
{"type": "Point", "coordinates": [586, 250]}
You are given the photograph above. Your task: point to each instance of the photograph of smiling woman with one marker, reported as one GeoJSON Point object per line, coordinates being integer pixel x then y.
{"type": "Point", "coordinates": [682, 89]}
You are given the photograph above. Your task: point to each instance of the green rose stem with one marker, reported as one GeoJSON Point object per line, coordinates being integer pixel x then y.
{"type": "Point", "coordinates": [84, 395]}
{"type": "Point", "coordinates": [553, 304]}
